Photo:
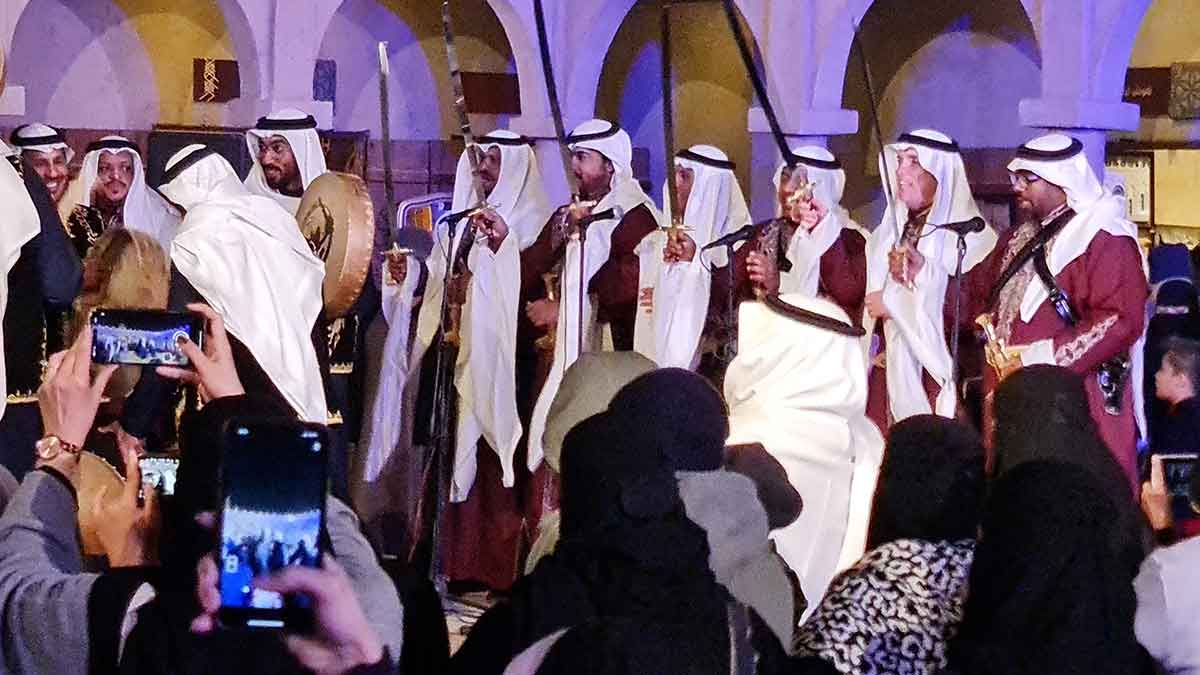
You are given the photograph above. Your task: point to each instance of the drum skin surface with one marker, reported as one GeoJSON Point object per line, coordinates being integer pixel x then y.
{"type": "Point", "coordinates": [338, 222]}
{"type": "Point", "coordinates": [95, 474]}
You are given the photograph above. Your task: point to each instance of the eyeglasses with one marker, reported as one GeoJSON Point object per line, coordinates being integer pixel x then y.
{"type": "Point", "coordinates": [1022, 180]}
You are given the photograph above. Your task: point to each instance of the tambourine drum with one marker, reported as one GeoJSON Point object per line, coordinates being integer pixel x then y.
{"type": "Point", "coordinates": [338, 221]}
{"type": "Point", "coordinates": [94, 474]}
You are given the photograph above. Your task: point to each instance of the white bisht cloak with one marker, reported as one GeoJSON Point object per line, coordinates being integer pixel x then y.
{"type": "Point", "coordinates": [801, 391]}
{"type": "Point", "coordinates": [669, 332]}
{"type": "Point", "coordinates": [244, 254]}
{"type": "Point", "coordinates": [916, 332]}
{"type": "Point", "coordinates": [145, 210]}
{"type": "Point", "coordinates": [21, 223]}
{"type": "Point", "coordinates": [609, 140]}
{"type": "Point", "coordinates": [485, 371]}
{"type": "Point", "coordinates": [300, 130]}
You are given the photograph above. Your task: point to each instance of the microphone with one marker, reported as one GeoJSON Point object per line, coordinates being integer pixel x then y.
{"type": "Point", "coordinates": [746, 232]}
{"type": "Point", "coordinates": [452, 219]}
{"type": "Point", "coordinates": [615, 213]}
{"type": "Point", "coordinates": [965, 227]}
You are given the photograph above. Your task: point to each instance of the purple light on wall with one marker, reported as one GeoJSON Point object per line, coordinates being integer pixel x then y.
{"type": "Point", "coordinates": [83, 65]}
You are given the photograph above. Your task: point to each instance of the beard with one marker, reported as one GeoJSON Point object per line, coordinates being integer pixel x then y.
{"type": "Point", "coordinates": [274, 176]}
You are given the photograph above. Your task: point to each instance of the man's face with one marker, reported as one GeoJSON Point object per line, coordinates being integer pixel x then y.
{"type": "Point", "coordinates": [917, 186]}
{"type": "Point", "coordinates": [114, 175]}
{"type": "Point", "coordinates": [489, 169]}
{"type": "Point", "coordinates": [279, 166]}
{"type": "Point", "coordinates": [593, 172]}
{"type": "Point", "coordinates": [52, 168]}
{"type": "Point", "coordinates": [1036, 195]}
{"type": "Point", "coordinates": [685, 178]}
{"type": "Point", "coordinates": [789, 180]}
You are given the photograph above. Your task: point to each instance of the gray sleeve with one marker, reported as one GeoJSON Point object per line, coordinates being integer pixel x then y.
{"type": "Point", "coordinates": [44, 616]}
{"type": "Point", "coordinates": [375, 590]}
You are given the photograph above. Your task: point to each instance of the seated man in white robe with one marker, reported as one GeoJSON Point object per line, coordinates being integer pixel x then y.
{"type": "Point", "coordinates": [799, 387]}
{"type": "Point", "coordinates": [242, 255]}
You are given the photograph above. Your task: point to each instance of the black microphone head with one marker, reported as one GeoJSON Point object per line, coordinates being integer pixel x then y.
{"type": "Point", "coordinates": [415, 239]}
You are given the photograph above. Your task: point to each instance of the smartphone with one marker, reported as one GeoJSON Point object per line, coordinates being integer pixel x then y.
{"type": "Point", "coordinates": [1177, 474]}
{"type": "Point", "coordinates": [158, 473]}
{"type": "Point", "coordinates": [143, 337]}
{"type": "Point", "coordinates": [272, 516]}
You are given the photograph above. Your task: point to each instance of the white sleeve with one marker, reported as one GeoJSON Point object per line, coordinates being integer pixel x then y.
{"type": "Point", "coordinates": [1151, 623]}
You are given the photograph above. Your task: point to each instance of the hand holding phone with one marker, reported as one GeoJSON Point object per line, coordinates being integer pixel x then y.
{"type": "Point", "coordinates": [213, 369]}
{"type": "Point", "coordinates": [272, 517]}
{"type": "Point", "coordinates": [1156, 499]}
{"type": "Point", "coordinates": [128, 526]}
{"type": "Point", "coordinates": [343, 639]}
{"type": "Point", "coordinates": [142, 337]}
{"type": "Point", "coordinates": [69, 396]}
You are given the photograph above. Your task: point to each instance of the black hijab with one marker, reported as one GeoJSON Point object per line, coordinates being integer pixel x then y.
{"type": "Point", "coordinates": [1047, 594]}
{"type": "Point", "coordinates": [628, 554]}
{"type": "Point", "coordinates": [1042, 412]}
{"type": "Point", "coordinates": [683, 414]}
{"type": "Point", "coordinates": [930, 483]}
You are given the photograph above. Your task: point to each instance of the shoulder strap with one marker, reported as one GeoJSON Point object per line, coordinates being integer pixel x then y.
{"type": "Point", "coordinates": [821, 321]}
{"type": "Point", "coordinates": [1058, 297]}
{"type": "Point", "coordinates": [1038, 241]}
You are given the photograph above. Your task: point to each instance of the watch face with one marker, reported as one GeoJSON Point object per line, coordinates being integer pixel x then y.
{"type": "Point", "coordinates": [48, 448]}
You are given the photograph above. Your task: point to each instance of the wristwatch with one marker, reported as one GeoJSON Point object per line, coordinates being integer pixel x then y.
{"type": "Point", "coordinates": [52, 446]}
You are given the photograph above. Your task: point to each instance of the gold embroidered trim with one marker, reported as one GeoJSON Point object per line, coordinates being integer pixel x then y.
{"type": "Point", "coordinates": [341, 369]}
{"type": "Point", "coordinates": [333, 418]}
{"type": "Point", "coordinates": [1074, 350]}
{"type": "Point", "coordinates": [1009, 307]}
{"type": "Point", "coordinates": [22, 397]}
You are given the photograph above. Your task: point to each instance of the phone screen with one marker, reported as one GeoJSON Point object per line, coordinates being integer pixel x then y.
{"type": "Point", "coordinates": [272, 516]}
{"type": "Point", "coordinates": [142, 337]}
{"type": "Point", "coordinates": [158, 472]}
{"type": "Point", "coordinates": [1177, 473]}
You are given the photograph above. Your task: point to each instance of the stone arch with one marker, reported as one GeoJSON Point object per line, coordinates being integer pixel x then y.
{"type": "Point", "coordinates": [712, 94]}
{"type": "Point", "coordinates": [839, 39]}
{"type": "Point", "coordinates": [422, 110]}
{"type": "Point", "coordinates": [959, 66]}
{"type": "Point", "coordinates": [595, 32]}
{"type": "Point", "coordinates": [246, 46]}
{"type": "Point", "coordinates": [1109, 75]}
{"type": "Point", "coordinates": [66, 51]}
{"type": "Point", "coordinates": [584, 78]}
{"type": "Point", "coordinates": [526, 56]}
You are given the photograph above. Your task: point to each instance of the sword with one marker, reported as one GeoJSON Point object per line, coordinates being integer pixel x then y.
{"type": "Point", "coordinates": [672, 196]}
{"type": "Point", "coordinates": [887, 176]}
{"type": "Point", "coordinates": [560, 129]}
{"type": "Point", "coordinates": [760, 88]}
{"type": "Point", "coordinates": [460, 107]}
{"type": "Point", "coordinates": [389, 190]}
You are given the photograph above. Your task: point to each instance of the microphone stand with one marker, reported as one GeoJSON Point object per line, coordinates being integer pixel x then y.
{"type": "Point", "coordinates": [730, 349]}
{"type": "Point", "coordinates": [582, 289]}
{"type": "Point", "coordinates": [957, 334]}
{"type": "Point", "coordinates": [443, 382]}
